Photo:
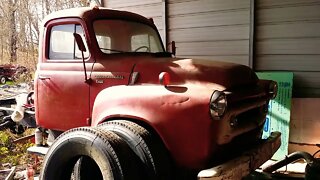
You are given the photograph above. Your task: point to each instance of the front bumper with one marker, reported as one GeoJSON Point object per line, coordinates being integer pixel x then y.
{"type": "Point", "coordinates": [243, 165]}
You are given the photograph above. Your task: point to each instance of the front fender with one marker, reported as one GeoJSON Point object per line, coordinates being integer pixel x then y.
{"type": "Point", "coordinates": [180, 116]}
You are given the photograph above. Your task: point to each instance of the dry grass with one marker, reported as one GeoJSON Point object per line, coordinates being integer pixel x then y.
{"type": "Point", "coordinates": [14, 153]}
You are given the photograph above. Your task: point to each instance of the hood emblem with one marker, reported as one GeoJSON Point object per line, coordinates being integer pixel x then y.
{"type": "Point", "coordinates": [109, 77]}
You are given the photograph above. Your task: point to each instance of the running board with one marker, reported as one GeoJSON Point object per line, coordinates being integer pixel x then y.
{"type": "Point", "coordinates": [38, 150]}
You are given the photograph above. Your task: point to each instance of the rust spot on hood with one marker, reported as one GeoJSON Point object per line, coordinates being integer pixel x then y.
{"type": "Point", "coordinates": [173, 100]}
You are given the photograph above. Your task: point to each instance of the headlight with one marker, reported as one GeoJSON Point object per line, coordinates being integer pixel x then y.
{"type": "Point", "coordinates": [218, 105]}
{"type": "Point", "coordinates": [273, 89]}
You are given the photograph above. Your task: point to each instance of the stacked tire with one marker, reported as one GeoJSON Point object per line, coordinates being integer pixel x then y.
{"type": "Point", "coordinates": [114, 150]}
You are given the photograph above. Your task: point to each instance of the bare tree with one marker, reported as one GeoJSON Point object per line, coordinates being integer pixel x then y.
{"type": "Point", "coordinates": [12, 31]}
{"type": "Point", "coordinates": [20, 20]}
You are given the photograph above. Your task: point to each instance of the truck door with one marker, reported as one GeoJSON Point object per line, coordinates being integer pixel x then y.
{"type": "Point", "coordinates": [62, 95]}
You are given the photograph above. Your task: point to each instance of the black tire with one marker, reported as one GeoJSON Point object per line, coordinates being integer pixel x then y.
{"type": "Point", "coordinates": [100, 149]}
{"type": "Point", "coordinates": [146, 145]}
{"type": "Point", "coordinates": [3, 79]}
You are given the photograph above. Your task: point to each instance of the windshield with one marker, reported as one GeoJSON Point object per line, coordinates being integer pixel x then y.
{"type": "Point", "coordinates": [120, 36]}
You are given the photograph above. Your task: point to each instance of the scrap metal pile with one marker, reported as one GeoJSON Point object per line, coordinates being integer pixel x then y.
{"type": "Point", "coordinates": [16, 108]}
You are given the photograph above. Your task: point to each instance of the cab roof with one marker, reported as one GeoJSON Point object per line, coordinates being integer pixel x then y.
{"type": "Point", "coordinates": [89, 13]}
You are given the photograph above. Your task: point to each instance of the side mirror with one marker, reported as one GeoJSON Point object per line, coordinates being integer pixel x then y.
{"type": "Point", "coordinates": [79, 42]}
{"type": "Point", "coordinates": [82, 48]}
{"type": "Point", "coordinates": [173, 49]}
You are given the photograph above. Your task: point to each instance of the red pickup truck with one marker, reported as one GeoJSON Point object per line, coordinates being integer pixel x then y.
{"type": "Point", "coordinates": [11, 72]}
{"type": "Point", "coordinates": [131, 110]}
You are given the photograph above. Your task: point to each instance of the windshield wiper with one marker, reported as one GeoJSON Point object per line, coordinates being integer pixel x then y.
{"type": "Point", "coordinates": [113, 50]}
{"type": "Point", "coordinates": [156, 54]}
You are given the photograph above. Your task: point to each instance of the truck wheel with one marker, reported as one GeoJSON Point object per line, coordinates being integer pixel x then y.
{"type": "Point", "coordinates": [146, 145]}
{"type": "Point", "coordinates": [107, 155]}
{"type": "Point", "coordinates": [3, 79]}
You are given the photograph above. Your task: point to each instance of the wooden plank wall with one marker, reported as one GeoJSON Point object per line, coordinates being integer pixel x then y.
{"type": "Point", "coordinates": [210, 29]}
{"type": "Point", "coordinates": [288, 39]}
{"type": "Point", "coordinates": [148, 8]}
{"type": "Point", "coordinates": [305, 125]}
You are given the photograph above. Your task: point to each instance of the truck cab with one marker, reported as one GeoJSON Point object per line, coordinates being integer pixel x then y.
{"type": "Point", "coordinates": [109, 42]}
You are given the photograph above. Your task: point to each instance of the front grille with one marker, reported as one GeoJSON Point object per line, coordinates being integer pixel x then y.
{"type": "Point", "coordinates": [256, 115]}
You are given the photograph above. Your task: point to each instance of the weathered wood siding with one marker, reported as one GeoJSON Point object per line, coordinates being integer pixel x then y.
{"type": "Point", "coordinates": [210, 29]}
{"type": "Point", "coordinates": [288, 39]}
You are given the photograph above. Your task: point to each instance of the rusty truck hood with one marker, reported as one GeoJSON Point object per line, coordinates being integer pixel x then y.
{"type": "Point", "coordinates": [220, 75]}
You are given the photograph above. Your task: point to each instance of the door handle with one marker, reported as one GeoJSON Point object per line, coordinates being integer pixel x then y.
{"type": "Point", "coordinates": [43, 77]}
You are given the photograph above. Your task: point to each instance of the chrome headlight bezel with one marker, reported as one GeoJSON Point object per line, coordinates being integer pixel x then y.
{"type": "Point", "coordinates": [218, 105]}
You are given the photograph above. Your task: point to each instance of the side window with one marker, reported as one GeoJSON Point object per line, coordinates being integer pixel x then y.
{"type": "Point", "coordinates": [62, 43]}
{"type": "Point", "coordinates": [144, 40]}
